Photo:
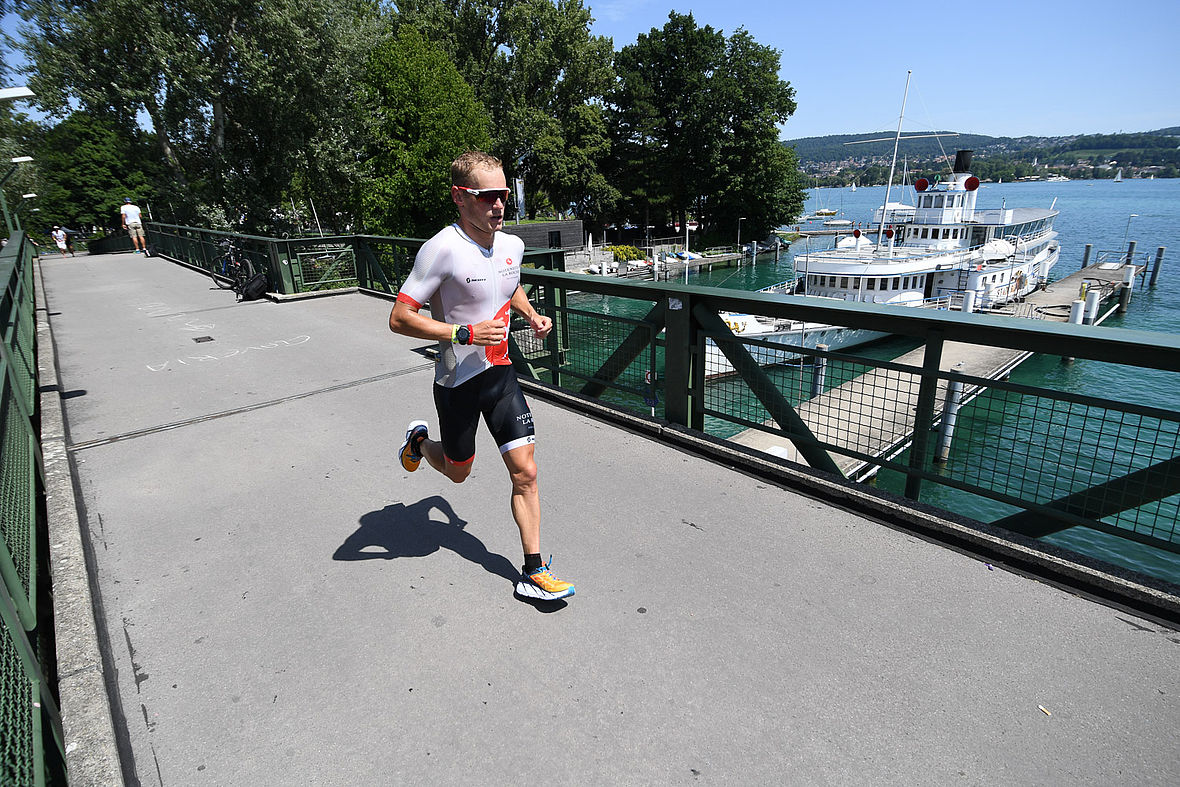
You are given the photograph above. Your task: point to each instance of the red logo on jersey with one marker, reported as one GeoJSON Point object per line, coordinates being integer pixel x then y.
{"type": "Point", "coordinates": [497, 354]}
{"type": "Point", "coordinates": [508, 260]}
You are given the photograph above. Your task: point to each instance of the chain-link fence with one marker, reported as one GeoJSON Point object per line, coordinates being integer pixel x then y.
{"type": "Point", "coordinates": [1032, 454]}
{"type": "Point", "coordinates": [31, 750]}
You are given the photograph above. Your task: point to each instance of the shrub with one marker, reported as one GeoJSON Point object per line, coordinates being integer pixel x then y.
{"type": "Point", "coordinates": [626, 253]}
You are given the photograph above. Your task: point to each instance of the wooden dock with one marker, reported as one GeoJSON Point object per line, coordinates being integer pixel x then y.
{"type": "Point", "coordinates": [874, 413]}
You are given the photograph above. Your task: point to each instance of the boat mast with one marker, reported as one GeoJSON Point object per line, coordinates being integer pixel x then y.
{"type": "Point", "coordinates": [893, 163]}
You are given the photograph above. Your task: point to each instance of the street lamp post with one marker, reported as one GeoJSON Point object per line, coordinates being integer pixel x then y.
{"type": "Point", "coordinates": [16, 211]}
{"type": "Point", "coordinates": [16, 162]}
{"type": "Point", "coordinates": [12, 94]}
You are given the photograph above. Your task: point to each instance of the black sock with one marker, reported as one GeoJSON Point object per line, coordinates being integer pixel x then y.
{"type": "Point", "coordinates": [532, 562]}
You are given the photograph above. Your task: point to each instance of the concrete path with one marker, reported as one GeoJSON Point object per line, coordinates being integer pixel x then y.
{"type": "Point", "coordinates": [283, 605]}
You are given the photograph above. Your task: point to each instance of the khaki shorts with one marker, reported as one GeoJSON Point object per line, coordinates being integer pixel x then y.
{"type": "Point", "coordinates": [135, 229]}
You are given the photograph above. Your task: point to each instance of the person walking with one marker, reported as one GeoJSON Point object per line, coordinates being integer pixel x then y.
{"type": "Point", "coordinates": [133, 223]}
{"type": "Point", "coordinates": [470, 274]}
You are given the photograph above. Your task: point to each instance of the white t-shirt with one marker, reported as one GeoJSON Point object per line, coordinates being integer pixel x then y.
{"type": "Point", "coordinates": [131, 214]}
{"type": "Point", "coordinates": [465, 284]}
{"type": "Point", "coordinates": [59, 235]}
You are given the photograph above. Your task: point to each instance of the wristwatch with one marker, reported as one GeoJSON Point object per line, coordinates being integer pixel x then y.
{"type": "Point", "coordinates": [461, 334]}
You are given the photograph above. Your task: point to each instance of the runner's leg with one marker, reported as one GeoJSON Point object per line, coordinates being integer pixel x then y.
{"type": "Point", "coordinates": [526, 496]}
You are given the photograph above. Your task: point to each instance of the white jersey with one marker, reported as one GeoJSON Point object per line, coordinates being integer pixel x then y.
{"type": "Point", "coordinates": [131, 214]}
{"type": "Point", "coordinates": [465, 284]}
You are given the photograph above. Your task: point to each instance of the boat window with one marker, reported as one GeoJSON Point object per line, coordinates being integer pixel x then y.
{"type": "Point", "coordinates": [872, 283]}
{"type": "Point", "coordinates": [946, 233]}
{"type": "Point", "coordinates": [844, 281]}
{"type": "Point", "coordinates": [927, 201]}
{"type": "Point", "coordinates": [924, 232]}
{"type": "Point", "coordinates": [938, 201]}
{"type": "Point", "coordinates": [896, 282]}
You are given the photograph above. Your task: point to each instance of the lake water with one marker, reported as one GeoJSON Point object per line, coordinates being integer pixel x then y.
{"type": "Point", "coordinates": [1091, 212]}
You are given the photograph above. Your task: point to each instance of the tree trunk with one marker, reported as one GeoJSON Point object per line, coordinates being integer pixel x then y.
{"type": "Point", "coordinates": [166, 149]}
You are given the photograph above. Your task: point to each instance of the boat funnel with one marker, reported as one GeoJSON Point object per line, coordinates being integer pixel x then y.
{"type": "Point", "coordinates": [963, 160]}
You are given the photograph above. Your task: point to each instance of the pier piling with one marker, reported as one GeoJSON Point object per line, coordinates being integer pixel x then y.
{"type": "Point", "coordinates": [1131, 251]}
{"type": "Point", "coordinates": [1076, 311]}
{"type": "Point", "coordinates": [1093, 300]}
{"type": "Point", "coordinates": [1125, 289]}
{"type": "Point", "coordinates": [968, 301]}
{"type": "Point", "coordinates": [1155, 269]}
{"type": "Point", "coordinates": [1086, 255]}
{"type": "Point", "coordinates": [819, 372]}
{"type": "Point", "coordinates": [950, 414]}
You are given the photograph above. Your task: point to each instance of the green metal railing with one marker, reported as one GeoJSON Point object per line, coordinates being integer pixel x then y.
{"type": "Point", "coordinates": [297, 266]}
{"type": "Point", "coordinates": [31, 750]}
{"type": "Point", "coordinates": [1037, 460]}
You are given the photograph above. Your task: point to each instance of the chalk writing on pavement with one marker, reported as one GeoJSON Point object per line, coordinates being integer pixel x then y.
{"type": "Point", "coordinates": [225, 355]}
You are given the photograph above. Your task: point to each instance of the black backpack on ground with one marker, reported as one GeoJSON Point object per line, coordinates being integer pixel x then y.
{"type": "Point", "coordinates": [254, 288]}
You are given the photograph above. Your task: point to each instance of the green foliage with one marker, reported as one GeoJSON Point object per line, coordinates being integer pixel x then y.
{"type": "Point", "coordinates": [626, 253]}
{"type": "Point", "coordinates": [425, 115]}
{"type": "Point", "coordinates": [694, 128]}
{"type": "Point", "coordinates": [86, 168]}
{"type": "Point", "coordinates": [541, 76]}
{"type": "Point", "coordinates": [241, 96]}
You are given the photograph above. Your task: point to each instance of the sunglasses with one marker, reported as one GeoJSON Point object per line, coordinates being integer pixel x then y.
{"type": "Point", "coordinates": [487, 196]}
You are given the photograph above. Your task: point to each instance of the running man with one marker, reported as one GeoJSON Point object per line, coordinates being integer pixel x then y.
{"type": "Point", "coordinates": [470, 274]}
{"type": "Point", "coordinates": [60, 238]}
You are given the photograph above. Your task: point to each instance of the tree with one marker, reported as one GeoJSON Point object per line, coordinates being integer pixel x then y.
{"type": "Point", "coordinates": [87, 167]}
{"type": "Point", "coordinates": [694, 129]}
{"type": "Point", "coordinates": [667, 126]}
{"type": "Point", "coordinates": [541, 76]}
{"type": "Point", "coordinates": [237, 93]}
{"type": "Point", "coordinates": [757, 178]}
{"type": "Point", "coordinates": [425, 115]}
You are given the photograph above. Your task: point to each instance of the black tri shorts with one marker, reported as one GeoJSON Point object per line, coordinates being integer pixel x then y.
{"type": "Point", "coordinates": [496, 394]}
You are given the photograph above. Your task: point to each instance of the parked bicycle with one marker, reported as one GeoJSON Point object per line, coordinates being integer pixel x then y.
{"type": "Point", "coordinates": [234, 272]}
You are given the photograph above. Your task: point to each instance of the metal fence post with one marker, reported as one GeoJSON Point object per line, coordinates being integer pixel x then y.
{"type": "Point", "coordinates": [924, 413]}
{"type": "Point", "coordinates": [678, 339]}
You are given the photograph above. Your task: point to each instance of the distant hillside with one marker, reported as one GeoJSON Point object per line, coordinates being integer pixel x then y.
{"type": "Point", "coordinates": [833, 148]}
{"type": "Point", "coordinates": [1080, 156]}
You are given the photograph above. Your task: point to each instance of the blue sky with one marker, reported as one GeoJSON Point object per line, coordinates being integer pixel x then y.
{"type": "Point", "coordinates": [997, 67]}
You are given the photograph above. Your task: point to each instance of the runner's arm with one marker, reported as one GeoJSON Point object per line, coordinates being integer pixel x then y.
{"type": "Point", "coordinates": [408, 321]}
{"type": "Point", "coordinates": [521, 305]}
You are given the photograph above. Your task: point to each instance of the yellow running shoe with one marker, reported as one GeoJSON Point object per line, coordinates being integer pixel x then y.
{"type": "Point", "coordinates": [409, 454]}
{"type": "Point", "coordinates": [541, 584]}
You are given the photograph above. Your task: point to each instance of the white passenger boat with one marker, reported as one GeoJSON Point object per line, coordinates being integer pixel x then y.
{"type": "Point", "coordinates": [942, 251]}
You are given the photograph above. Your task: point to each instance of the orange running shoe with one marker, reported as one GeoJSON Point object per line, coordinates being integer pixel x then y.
{"type": "Point", "coordinates": [409, 454]}
{"type": "Point", "coordinates": [541, 584]}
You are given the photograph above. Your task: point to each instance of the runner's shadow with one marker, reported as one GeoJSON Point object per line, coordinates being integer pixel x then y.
{"type": "Point", "coordinates": [399, 530]}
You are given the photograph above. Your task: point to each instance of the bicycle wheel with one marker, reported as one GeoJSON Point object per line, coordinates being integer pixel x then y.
{"type": "Point", "coordinates": [244, 273]}
{"type": "Point", "coordinates": [223, 273]}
